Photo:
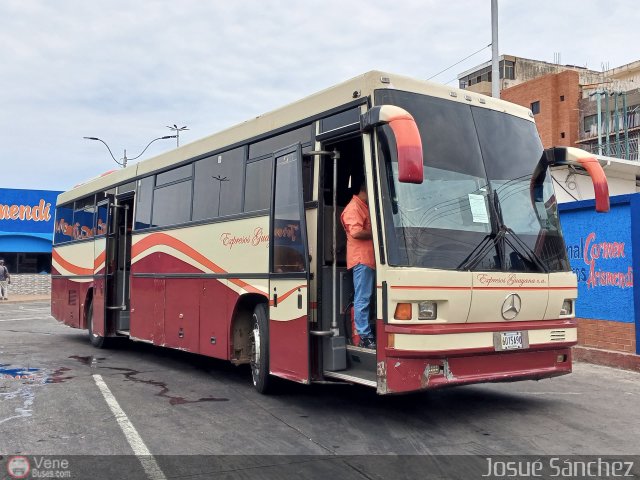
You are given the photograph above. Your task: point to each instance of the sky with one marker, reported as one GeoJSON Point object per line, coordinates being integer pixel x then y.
{"type": "Point", "coordinates": [123, 70]}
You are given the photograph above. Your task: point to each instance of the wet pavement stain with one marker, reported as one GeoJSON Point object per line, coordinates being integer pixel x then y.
{"type": "Point", "coordinates": [130, 375]}
{"type": "Point", "coordinates": [58, 375]}
{"type": "Point", "coordinates": [89, 361]}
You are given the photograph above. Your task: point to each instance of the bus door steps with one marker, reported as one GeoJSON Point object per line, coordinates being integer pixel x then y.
{"type": "Point", "coordinates": [123, 332]}
{"type": "Point", "coordinates": [354, 376]}
{"type": "Point", "coordinates": [361, 367]}
{"type": "Point", "coordinates": [363, 358]}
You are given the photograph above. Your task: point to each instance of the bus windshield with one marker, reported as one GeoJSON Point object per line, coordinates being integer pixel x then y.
{"type": "Point", "coordinates": [479, 207]}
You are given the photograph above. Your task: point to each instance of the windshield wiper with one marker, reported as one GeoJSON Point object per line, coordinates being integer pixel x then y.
{"type": "Point", "coordinates": [492, 240]}
{"type": "Point", "coordinates": [489, 241]}
{"type": "Point", "coordinates": [533, 256]}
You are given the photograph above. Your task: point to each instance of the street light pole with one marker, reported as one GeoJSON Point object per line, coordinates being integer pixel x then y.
{"type": "Point", "coordinates": [220, 180]}
{"type": "Point", "coordinates": [125, 159]}
{"type": "Point", "coordinates": [495, 60]}
{"type": "Point", "coordinates": [177, 129]}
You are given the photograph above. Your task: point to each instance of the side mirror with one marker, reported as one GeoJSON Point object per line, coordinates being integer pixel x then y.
{"type": "Point", "coordinates": [574, 156]}
{"type": "Point", "coordinates": [407, 139]}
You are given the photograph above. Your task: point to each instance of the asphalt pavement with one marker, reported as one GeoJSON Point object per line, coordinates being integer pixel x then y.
{"type": "Point", "coordinates": [53, 402]}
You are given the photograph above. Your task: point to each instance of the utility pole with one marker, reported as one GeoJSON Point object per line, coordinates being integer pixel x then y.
{"type": "Point", "coordinates": [495, 60]}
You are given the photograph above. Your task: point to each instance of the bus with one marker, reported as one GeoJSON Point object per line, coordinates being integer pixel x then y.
{"type": "Point", "coordinates": [232, 247]}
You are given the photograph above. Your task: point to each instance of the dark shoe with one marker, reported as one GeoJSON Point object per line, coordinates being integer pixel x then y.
{"type": "Point", "coordinates": [367, 342]}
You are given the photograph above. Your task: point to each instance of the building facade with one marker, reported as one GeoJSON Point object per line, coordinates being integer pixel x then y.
{"type": "Point", "coordinates": [574, 106]}
{"type": "Point", "coordinates": [554, 100]}
{"type": "Point", "coordinates": [517, 70]}
{"type": "Point", "coordinates": [26, 233]}
{"type": "Point", "coordinates": [609, 114]}
{"type": "Point", "coordinates": [604, 252]}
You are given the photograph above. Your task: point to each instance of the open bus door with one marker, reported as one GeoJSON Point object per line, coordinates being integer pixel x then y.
{"type": "Point", "coordinates": [99, 314]}
{"type": "Point", "coordinates": [288, 271]}
{"type": "Point", "coordinates": [112, 252]}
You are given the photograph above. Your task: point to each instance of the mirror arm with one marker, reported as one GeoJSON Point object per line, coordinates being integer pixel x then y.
{"type": "Point", "coordinates": [559, 156]}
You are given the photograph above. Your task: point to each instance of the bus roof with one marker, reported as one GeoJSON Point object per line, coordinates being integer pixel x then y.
{"type": "Point", "coordinates": [313, 105]}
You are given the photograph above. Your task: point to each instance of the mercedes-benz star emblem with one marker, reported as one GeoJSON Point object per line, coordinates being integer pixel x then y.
{"type": "Point", "coordinates": [511, 306]}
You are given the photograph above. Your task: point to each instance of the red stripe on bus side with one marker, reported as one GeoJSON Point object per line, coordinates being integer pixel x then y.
{"type": "Point", "coordinates": [287, 294]}
{"type": "Point", "coordinates": [434, 287]}
{"type": "Point", "coordinates": [100, 260]}
{"type": "Point", "coordinates": [452, 328]}
{"type": "Point", "coordinates": [164, 239]}
{"type": "Point", "coordinates": [70, 267]}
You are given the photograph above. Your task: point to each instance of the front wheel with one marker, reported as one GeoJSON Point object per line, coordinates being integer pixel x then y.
{"type": "Point", "coordinates": [95, 339]}
{"type": "Point", "coordinates": [262, 381]}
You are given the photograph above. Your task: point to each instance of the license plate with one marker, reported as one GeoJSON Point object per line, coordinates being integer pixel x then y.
{"type": "Point", "coordinates": [510, 341]}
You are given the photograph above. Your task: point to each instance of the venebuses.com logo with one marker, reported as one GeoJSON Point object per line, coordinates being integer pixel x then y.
{"type": "Point", "coordinates": [18, 467]}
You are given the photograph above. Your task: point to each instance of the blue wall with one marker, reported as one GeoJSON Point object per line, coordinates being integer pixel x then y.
{"type": "Point", "coordinates": [26, 220]}
{"type": "Point", "coordinates": [600, 248]}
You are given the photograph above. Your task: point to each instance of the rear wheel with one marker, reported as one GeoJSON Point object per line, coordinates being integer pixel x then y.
{"type": "Point", "coordinates": [262, 381]}
{"type": "Point", "coordinates": [95, 339]}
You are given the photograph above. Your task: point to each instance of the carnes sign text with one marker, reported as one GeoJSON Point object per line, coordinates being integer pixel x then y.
{"type": "Point", "coordinates": [596, 255]}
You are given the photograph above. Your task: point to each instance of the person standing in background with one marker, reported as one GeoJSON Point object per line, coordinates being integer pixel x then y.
{"type": "Point", "coordinates": [5, 279]}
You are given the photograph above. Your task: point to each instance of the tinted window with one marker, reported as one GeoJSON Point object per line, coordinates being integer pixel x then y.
{"type": "Point", "coordinates": [257, 193]}
{"type": "Point", "coordinates": [270, 145]}
{"type": "Point", "coordinates": [85, 202]}
{"type": "Point", "coordinates": [307, 176]}
{"type": "Point", "coordinates": [340, 120]}
{"type": "Point", "coordinates": [143, 203]}
{"type": "Point", "coordinates": [433, 222]}
{"type": "Point", "coordinates": [127, 187]}
{"type": "Point", "coordinates": [101, 219]}
{"type": "Point", "coordinates": [103, 195]}
{"type": "Point", "coordinates": [172, 204]}
{"type": "Point", "coordinates": [288, 247]}
{"type": "Point", "coordinates": [174, 175]}
{"type": "Point", "coordinates": [83, 223]}
{"type": "Point", "coordinates": [64, 223]}
{"type": "Point", "coordinates": [218, 185]}
{"type": "Point", "coordinates": [446, 128]}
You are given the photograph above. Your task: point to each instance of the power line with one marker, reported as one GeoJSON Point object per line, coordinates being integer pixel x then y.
{"type": "Point", "coordinates": [562, 187]}
{"type": "Point", "coordinates": [457, 63]}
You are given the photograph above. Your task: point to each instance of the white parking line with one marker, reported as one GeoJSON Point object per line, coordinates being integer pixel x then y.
{"type": "Point", "coordinates": [550, 393]}
{"type": "Point", "coordinates": [149, 463]}
{"type": "Point", "coordinates": [22, 318]}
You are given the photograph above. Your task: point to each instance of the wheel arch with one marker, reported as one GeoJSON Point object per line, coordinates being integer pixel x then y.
{"type": "Point", "coordinates": [88, 298]}
{"type": "Point", "coordinates": [241, 326]}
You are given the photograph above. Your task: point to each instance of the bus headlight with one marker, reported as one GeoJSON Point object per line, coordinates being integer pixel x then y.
{"type": "Point", "coordinates": [567, 307]}
{"type": "Point", "coordinates": [427, 310]}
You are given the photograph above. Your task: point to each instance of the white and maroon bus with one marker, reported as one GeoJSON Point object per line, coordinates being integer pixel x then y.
{"type": "Point", "coordinates": [232, 247]}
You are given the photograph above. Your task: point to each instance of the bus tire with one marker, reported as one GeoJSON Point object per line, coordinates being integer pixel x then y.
{"type": "Point", "coordinates": [95, 339]}
{"type": "Point", "coordinates": [262, 381]}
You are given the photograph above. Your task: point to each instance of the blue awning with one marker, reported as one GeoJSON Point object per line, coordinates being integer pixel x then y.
{"type": "Point", "coordinates": [12, 242]}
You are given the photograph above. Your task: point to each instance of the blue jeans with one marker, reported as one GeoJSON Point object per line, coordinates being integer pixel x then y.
{"type": "Point", "coordinates": [363, 277]}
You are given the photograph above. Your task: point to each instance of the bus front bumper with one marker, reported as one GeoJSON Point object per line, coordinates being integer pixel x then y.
{"type": "Point", "coordinates": [421, 358]}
